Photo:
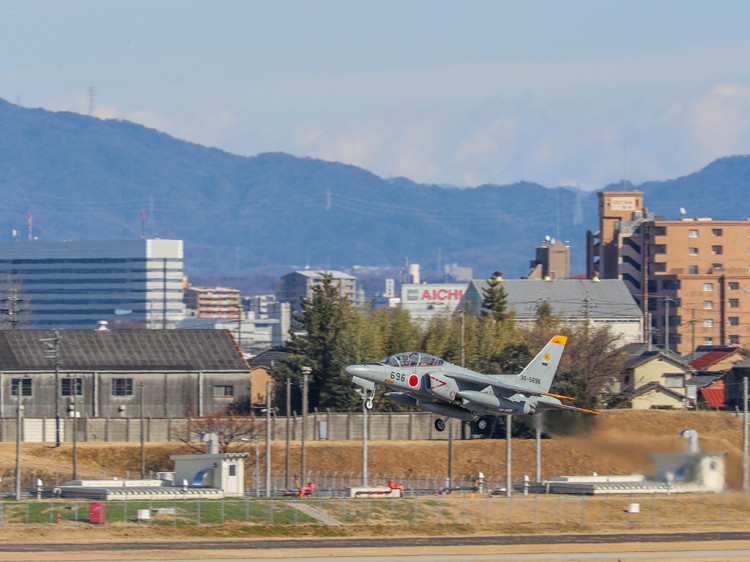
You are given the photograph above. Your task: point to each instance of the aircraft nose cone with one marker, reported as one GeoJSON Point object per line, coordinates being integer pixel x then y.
{"type": "Point", "coordinates": [359, 370]}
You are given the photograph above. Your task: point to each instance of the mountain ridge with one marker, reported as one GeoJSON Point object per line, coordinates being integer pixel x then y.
{"type": "Point", "coordinates": [87, 178]}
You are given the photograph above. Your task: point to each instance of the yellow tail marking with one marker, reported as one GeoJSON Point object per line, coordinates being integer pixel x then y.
{"type": "Point", "coordinates": [562, 340]}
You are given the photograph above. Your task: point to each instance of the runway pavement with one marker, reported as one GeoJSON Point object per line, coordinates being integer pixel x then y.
{"type": "Point", "coordinates": [697, 547]}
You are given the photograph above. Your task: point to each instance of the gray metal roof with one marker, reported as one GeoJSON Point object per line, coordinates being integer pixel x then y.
{"type": "Point", "coordinates": [607, 298]}
{"type": "Point", "coordinates": [121, 350]}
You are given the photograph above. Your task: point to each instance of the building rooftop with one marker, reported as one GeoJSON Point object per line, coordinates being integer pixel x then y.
{"type": "Point", "coordinates": [121, 350]}
{"type": "Point", "coordinates": [608, 298]}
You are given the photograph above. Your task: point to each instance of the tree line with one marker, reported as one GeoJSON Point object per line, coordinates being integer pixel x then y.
{"type": "Point", "coordinates": [330, 332]}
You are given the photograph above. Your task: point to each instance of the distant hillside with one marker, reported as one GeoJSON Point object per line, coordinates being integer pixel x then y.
{"type": "Point", "coordinates": [84, 178]}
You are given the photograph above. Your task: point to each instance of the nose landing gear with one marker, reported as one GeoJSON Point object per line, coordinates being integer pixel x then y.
{"type": "Point", "coordinates": [367, 399]}
{"type": "Point", "coordinates": [440, 424]}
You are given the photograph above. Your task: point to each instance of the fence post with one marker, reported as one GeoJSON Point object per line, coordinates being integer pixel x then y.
{"type": "Point", "coordinates": [582, 510]}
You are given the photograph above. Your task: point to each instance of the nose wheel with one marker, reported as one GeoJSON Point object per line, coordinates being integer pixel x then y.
{"type": "Point", "coordinates": [440, 424]}
{"type": "Point", "coordinates": [482, 424]}
{"type": "Point", "coordinates": [367, 403]}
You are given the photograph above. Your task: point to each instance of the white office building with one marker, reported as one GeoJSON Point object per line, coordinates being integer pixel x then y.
{"type": "Point", "coordinates": [77, 284]}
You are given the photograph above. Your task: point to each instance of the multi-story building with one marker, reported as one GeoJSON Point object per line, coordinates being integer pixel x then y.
{"type": "Point", "coordinates": [213, 302]}
{"type": "Point", "coordinates": [295, 286]}
{"type": "Point", "coordinates": [77, 284]}
{"type": "Point", "coordinates": [552, 260]}
{"type": "Point", "coordinates": [691, 276]}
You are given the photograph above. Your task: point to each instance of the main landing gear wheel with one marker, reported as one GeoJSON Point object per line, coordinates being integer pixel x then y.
{"type": "Point", "coordinates": [482, 424]}
{"type": "Point", "coordinates": [440, 424]}
{"type": "Point", "coordinates": [368, 403]}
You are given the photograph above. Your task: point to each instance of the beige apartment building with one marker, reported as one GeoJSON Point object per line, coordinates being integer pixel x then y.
{"type": "Point", "coordinates": [213, 302]}
{"type": "Point", "coordinates": [690, 276]}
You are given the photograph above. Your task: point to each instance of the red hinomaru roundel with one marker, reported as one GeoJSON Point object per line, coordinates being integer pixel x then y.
{"type": "Point", "coordinates": [413, 381]}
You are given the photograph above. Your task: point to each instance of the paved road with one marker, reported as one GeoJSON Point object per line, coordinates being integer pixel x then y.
{"type": "Point", "coordinates": [381, 542]}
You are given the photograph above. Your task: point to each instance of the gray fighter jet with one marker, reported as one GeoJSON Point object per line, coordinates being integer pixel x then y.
{"type": "Point", "coordinates": [430, 383]}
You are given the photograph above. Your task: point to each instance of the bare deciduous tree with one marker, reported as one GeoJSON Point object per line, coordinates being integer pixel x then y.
{"type": "Point", "coordinates": [232, 431]}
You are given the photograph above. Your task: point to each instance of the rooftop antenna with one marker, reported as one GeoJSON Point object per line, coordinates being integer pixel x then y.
{"type": "Point", "coordinates": [143, 225]}
{"type": "Point", "coordinates": [682, 212]}
{"type": "Point", "coordinates": [624, 155]}
{"type": "Point", "coordinates": [92, 100]}
{"type": "Point", "coordinates": [30, 224]}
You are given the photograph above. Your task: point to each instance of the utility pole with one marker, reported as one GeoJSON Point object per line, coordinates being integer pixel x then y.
{"type": "Point", "coordinates": [303, 466]}
{"type": "Point", "coordinates": [666, 324]}
{"type": "Point", "coordinates": [745, 480]}
{"type": "Point", "coordinates": [287, 483]}
{"type": "Point", "coordinates": [12, 308]}
{"type": "Point", "coordinates": [508, 479]}
{"type": "Point", "coordinates": [53, 351]}
{"type": "Point", "coordinates": [268, 439]}
{"type": "Point", "coordinates": [143, 434]}
{"type": "Point", "coordinates": [364, 443]}
{"type": "Point", "coordinates": [538, 435]}
{"type": "Point", "coordinates": [75, 426]}
{"type": "Point", "coordinates": [19, 428]}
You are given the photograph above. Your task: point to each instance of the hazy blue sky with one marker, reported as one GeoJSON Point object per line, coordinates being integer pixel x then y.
{"type": "Point", "coordinates": [468, 92]}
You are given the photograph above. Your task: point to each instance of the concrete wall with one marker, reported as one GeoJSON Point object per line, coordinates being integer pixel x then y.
{"type": "Point", "coordinates": [333, 426]}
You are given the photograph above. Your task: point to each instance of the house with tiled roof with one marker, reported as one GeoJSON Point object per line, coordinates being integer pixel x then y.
{"type": "Point", "coordinates": [715, 359]}
{"type": "Point", "coordinates": [712, 363]}
{"type": "Point", "coordinates": [120, 373]}
{"type": "Point", "coordinates": [653, 378]}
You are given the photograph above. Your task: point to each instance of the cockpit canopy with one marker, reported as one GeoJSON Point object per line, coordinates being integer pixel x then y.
{"type": "Point", "coordinates": [412, 359]}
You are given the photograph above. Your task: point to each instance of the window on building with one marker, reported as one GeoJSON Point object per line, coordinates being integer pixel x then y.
{"type": "Point", "coordinates": [693, 233]}
{"type": "Point", "coordinates": [660, 230]}
{"type": "Point", "coordinates": [22, 385]}
{"type": "Point", "coordinates": [674, 381]}
{"type": "Point", "coordinates": [221, 391]}
{"type": "Point", "coordinates": [692, 251]}
{"type": "Point", "coordinates": [708, 341]}
{"type": "Point", "coordinates": [717, 250]}
{"type": "Point", "coordinates": [708, 305]}
{"type": "Point", "coordinates": [717, 267]}
{"type": "Point", "coordinates": [122, 387]}
{"type": "Point", "coordinates": [734, 303]}
{"type": "Point", "coordinates": [693, 270]}
{"type": "Point", "coordinates": [717, 232]}
{"type": "Point", "coordinates": [734, 320]}
{"type": "Point", "coordinates": [734, 340]}
{"type": "Point", "coordinates": [659, 267]}
{"type": "Point", "coordinates": [70, 385]}
{"type": "Point", "coordinates": [708, 287]}
{"type": "Point", "coordinates": [734, 286]}
{"type": "Point", "coordinates": [708, 323]}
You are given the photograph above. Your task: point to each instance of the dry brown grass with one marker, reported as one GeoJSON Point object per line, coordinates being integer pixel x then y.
{"type": "Point", "coordinates": [619, 442]}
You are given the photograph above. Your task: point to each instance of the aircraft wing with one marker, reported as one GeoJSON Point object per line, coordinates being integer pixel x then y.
{"type": "Point", "coordinates": [484, 381]}
{"type": "Point", "coordinates": [543, 406]}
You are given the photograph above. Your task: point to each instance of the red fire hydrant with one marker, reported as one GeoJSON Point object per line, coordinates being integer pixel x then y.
{"type": "Point", "coordinates": [58, 518]}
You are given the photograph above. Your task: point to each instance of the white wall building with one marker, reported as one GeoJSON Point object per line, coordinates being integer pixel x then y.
{"type": "Point", "coordinates": [428, 300]}
{"type": "Point", "coordinates": [76, 284]}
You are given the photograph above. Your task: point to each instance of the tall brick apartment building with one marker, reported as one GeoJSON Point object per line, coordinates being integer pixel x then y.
{"type": "Point", "coordinates": [690, 276]}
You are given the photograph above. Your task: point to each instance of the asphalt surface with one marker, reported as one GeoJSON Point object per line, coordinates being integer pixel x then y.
{"type": "Point", "coordinates": [381, 542]}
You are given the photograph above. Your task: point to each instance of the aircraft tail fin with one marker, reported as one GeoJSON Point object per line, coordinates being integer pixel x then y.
{"type": "Point", "coordinates": [538, 374]}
